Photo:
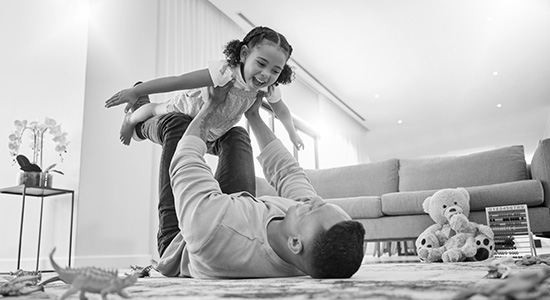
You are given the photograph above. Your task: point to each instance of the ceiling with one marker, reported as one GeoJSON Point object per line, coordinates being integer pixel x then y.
{"type": "Point", "coordinates": [425, 77]}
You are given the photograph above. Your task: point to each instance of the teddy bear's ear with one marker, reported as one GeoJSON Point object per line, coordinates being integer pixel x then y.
{"type": "Point", "coordinates": [464, 192]}
{"type": "Point", "coordinates": [426, 205]}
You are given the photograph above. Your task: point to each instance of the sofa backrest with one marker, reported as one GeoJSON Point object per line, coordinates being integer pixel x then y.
{"type": "Point", "coordinates": [368, 179]}
{"type": "Point", "coordinates": [483, 168]}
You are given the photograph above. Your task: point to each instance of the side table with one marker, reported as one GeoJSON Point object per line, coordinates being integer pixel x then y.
{"type": "Point", "coordinates": [42, 192]}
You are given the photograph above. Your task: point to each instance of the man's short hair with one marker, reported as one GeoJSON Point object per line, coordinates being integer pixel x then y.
{"type": "Point", "coordinates": [338, 251]}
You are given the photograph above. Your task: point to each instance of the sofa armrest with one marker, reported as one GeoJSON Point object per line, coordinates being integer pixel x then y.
{"type": "Point", "coordinates": [540, 168]}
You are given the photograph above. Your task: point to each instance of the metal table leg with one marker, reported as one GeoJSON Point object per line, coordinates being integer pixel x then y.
{"type": "Point", "coordinates": [21, 230]}
{"type": "Point", "coordinates": [39, 232]}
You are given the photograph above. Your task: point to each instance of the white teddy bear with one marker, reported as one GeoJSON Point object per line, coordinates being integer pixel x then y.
{"type": "Point", "coordinates": [453, 237]}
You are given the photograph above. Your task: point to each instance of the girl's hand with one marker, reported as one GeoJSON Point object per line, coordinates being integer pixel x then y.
{"type": "Point", "coordinates": [297, 141]}
{"type": "Point", "coordinates": [124, 96]}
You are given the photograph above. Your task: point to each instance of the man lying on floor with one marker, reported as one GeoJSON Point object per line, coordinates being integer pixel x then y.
{"type": "Point", "coordinates": [241, 236]}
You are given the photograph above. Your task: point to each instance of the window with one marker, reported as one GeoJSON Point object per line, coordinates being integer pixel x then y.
{"type": "Point", "coordinates": [307, 157]}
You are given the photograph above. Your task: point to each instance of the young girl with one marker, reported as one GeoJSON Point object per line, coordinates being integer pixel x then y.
{"type": "Point", "coordinates": [257, 64]}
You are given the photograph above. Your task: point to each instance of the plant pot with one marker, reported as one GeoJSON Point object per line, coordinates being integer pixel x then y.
{"type": "Point", "coordinates": [35, 179]}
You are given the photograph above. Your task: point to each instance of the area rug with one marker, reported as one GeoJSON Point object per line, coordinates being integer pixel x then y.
{"type": "Point", "coordinates": [372, 281]}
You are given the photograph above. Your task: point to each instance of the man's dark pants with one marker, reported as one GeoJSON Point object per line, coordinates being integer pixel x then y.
{"type": "Point", "coordinates": [235, 172]}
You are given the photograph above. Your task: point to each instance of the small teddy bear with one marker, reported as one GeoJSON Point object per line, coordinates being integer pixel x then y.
{"type": "Point", "coordinates": [453, 238]}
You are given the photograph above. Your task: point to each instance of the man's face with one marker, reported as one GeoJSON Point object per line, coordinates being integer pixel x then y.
{"type": "Point", "coordinates": [305, 219]}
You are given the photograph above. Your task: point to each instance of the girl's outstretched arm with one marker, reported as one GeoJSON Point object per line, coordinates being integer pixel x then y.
{"type": "Point", "coordinates": [283, 113]}
{"type": "Point", "coordinates": [191, 80]}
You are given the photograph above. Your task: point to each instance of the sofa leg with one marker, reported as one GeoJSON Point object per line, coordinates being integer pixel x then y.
{"type": "Point", "coordinates": [377, 249]}
{"type": "Point", "coordinates": [398, 248]}
{"type": "Point", "coordinates": [405, 250]}
{"type": "Point", "coordinates": [413, 248]}
{"type": "Point", "coordinates": [389, 248]}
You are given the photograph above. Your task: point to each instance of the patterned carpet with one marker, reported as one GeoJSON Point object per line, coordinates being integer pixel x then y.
{"type": "Point", "coordinates": [373, 281]}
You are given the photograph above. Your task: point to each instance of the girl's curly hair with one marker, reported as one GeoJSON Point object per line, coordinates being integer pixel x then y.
{"type": "Point", "coordinates": [232, 50]}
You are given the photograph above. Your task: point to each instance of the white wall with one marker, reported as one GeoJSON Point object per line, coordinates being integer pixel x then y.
{"type": "Point", "coordinates": [42, 74]}
{"type": "Point", "coordinates": [63, 59]}
{"type": "Point", "coordinates": [116, 187]}
{"type": "Point", "coordinates": [547, 129]}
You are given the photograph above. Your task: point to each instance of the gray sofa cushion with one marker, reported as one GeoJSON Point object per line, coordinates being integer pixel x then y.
{"type": "Point", "coordinates": [366, 207]}
{"type": "Point", "coordinates": [410, 227]}
{"type": "Point", "coordinates": [478, 169]}
{"type": "Point", "coordinates": [370, 179]}
{"type": "Point", "coordinates": [528, 192]}
{"type": "Point", "coordinates": [519, 192]}
{"type": "Point", "coordinates": [395, 227]}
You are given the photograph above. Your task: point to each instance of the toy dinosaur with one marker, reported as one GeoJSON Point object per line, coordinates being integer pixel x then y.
{"type": "Point", "coordinates": [93, 280]}
{"type": "Point", "coordinates": [140, 272]}
{"type": "Point", "coordinates": [500, 268]}
{"type": "Point", "coordinates": [528, 260]}
{"type": "Point", "coordinates": [20, 283]}
{"type": "Point", "coordinates": [526, 285]}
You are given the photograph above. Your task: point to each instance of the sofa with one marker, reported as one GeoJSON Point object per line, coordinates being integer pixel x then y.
{"type": "Point", "coordinates": [386, 196]}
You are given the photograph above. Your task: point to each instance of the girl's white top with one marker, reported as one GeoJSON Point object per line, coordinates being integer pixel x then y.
{"type": "Point", "coordinates": [238, 101]}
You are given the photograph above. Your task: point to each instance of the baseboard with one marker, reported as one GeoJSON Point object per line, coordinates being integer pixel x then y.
{"type": "Point", "coordinates": [121, 262]}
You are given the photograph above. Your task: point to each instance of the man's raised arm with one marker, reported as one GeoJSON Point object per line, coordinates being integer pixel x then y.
{"type": "Point", "coordinates": [280, 168]}
{"type": "Point", "coordinates": [263, 134]}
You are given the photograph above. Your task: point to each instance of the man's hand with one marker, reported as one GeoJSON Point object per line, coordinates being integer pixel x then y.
{"type": "Point", "coordinates": [254, 110]}
{"type": "Point", "coordinates": [124, 96]}
{"type": "Point", "coordinates": [209, 116]}
{"type": "Point", "coordinates": [217, 95]}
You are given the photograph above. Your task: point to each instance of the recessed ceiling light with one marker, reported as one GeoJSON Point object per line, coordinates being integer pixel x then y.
{"type": "Point", "coordinates": [499, 105]}
{"type": "Point", "coordinates": [489, 19]}
{"type": "Point", "coordinates": [399, 121]}
{"type": "Point", "coordinates": [495, 73]}
{"type": "Point", "coordinates": [376, 96]}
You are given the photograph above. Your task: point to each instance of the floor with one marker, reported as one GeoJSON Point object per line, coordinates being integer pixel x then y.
{"type": "Point", "coordinates": [407, 281]}
{"type": "Point", "coordinates": [411, 281]}
{"type": "Point", "coordinates": [383, 277]}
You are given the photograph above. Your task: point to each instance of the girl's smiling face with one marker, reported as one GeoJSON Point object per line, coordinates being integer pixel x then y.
{"type": "Point", "coordinates": [262, 64]}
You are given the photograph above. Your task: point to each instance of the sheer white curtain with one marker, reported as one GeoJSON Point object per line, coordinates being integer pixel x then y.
{"type": "Point", "coordinates": [343, 140]}
{"type": "Point", "coordinates": [191, 33]}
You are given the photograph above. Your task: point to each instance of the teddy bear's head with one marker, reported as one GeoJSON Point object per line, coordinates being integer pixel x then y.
{"type": "Point", "coordinates": [445, 203]}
